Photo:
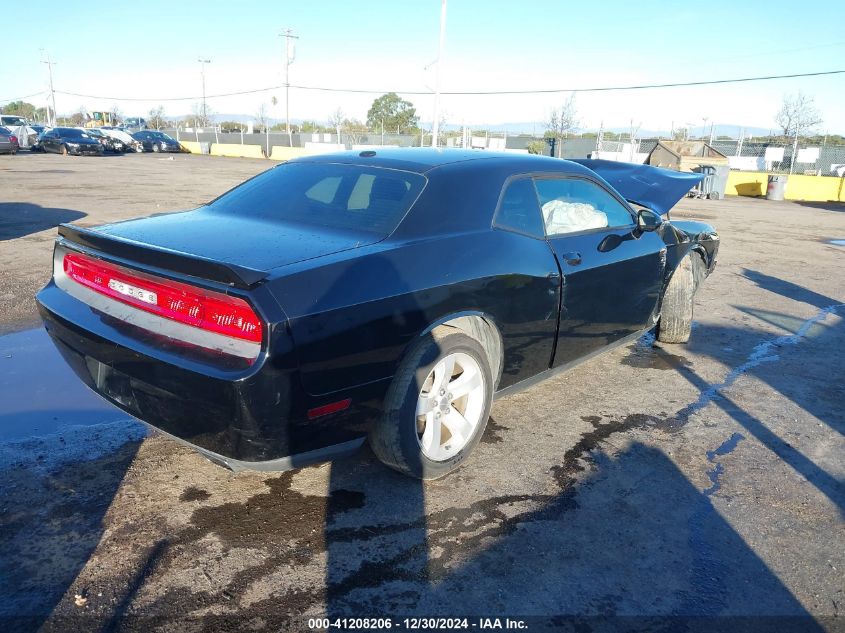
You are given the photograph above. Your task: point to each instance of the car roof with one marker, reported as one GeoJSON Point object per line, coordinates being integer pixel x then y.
{"type": "Point", "coordinates": [425, 159]}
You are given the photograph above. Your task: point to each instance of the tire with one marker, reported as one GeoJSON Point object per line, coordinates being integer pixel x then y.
{"type": "Point", "coordinates": [676, 314]}
{"type": "Point", "coordinates": [156, 148]}
{"type": "Point", "coordinates": [399, 436]}
{"type": "Point", "coordinates": [64, 150]}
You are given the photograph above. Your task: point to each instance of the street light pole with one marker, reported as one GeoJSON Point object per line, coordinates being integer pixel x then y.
{"type": "Point", "coordinates": [290, 56]}
{"type": "Point", "coordinates": [203, 62]}
{"type": "Point", "coordinates": [435, 128]}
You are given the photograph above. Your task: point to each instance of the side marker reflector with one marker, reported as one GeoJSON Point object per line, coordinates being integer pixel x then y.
{"type": "Point", "coordinates": [326, 409]}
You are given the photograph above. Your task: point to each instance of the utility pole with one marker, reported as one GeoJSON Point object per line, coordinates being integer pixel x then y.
{"type": "Point", "coordinates": [203, 62]}
{"type": "Point", "coordinates": [704, 126]}
{"type": "Point", "coordinates": [290, 56]}
{"type": "Point", "coordinates": [51, 119]}
{"type": "Point", "coordinates": [435, 128]}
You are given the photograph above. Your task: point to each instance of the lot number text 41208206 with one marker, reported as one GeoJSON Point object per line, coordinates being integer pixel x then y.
{"type": "Point", "coordinates": [417, 624]}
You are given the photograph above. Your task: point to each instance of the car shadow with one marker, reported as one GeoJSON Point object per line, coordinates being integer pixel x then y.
{"type": "Point", "coordinates": [632, 543]}
{"type": "Point", "coordinates": [826, 206]}
{"type": "Point", "coordinates": [18, 219]}
{"type": "Point", "coordinates": [820, 398]}
{"type": "Point", "coordinates": [52, 522]}
{"type": "Point", "coordinates": [788, 289]}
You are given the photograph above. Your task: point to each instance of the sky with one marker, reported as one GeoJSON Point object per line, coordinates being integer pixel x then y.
{"type": "Point", "coordinates": [149, 50]}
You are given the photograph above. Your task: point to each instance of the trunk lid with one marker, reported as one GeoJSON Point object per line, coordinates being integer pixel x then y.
{"type": "Point", "coordinates": [247, 243]}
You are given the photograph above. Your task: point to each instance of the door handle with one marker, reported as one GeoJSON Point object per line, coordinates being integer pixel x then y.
{"type": "Point", "coordinates": [572, 258]}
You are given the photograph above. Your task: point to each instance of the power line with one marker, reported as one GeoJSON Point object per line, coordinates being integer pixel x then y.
{"type": "Point", "coordinates": [35, 94]}
{"type": "Point", "coordinates": [473, 92]}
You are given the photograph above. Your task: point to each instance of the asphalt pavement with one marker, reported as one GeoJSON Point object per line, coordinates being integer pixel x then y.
{"type": "Point", "coordinates": [660, 488]}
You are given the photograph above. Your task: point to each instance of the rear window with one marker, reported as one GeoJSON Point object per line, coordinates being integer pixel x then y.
{"type": "Point", "coordinates": [345, 197]}
{"type": "Point", "coordinates": [12, 120]}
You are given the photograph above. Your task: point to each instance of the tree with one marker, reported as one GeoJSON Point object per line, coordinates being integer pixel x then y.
{"type": "Point", "coordinates": [78, 118]}
{"type": "Point", "coordinates": [261, 118]}
{"type": "Point", "coordinates": [201, 115]}
{"type": "Point", "coordinates": [537, 147]}
{"type": "Point", "coordinates": [355, 130]}
{"type": "Point", "coordinates": [115, 115]}
{"type": "Point", "coordinates": [562, 121]}
{"type": "Point", "coordinates": [336, 121]}
{"type": "Point", "coordinates": [394, 113]}
{"type": "Point", "coordinates": [25, 110]}
{"type": "Point", "coordinates": [797, 115]}
{"type": "Point", "coordinates": [156, 118]}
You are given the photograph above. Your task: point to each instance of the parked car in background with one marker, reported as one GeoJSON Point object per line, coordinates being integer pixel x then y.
{"type": "Point", "coordinates": [11, 121]}
{"type": "Point", "coordinates": [6, 145]}
{"type": "Point", "coordinates": [130, 144]}
{"type": "Point", "coordinates": [135, 123]}
{"type": "Point", "coordinates": [109, 144]}
{"type": "Point", "coordinates": [13, 140]}
{"type": "Point", "coordinates": [35, 146]}
{"type": "Point", "coordinates": [69, 140]}
{"type": "Point", "coordinates": [385, 293]}
{"type": "Point", "coordinates": [33, 130]}
{"type": "Point", "coordinates": [155, 141]}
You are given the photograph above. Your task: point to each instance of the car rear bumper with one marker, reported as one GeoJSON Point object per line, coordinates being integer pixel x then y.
{"type": "Point", "coordinates": [251, 417]}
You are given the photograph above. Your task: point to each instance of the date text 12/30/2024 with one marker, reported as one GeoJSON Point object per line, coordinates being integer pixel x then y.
{"type": "Point", "coordinates": [417, 624]}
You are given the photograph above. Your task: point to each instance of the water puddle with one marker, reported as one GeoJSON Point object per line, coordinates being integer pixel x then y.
{"type": "Point", "coordinates": [643, 356]}
{"type": "Point", "coordinates": [39, 394]}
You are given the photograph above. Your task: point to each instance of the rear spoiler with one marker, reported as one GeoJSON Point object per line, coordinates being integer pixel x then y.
{"type": "Point", "coordinates": [230, 274]}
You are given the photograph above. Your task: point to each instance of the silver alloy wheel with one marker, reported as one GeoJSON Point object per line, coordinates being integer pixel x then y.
{"type": "Point", "coordinates": [450, 406]}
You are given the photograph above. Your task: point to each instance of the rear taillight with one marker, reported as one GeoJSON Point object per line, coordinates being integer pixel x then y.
{"type": "Point", "coordinates": [14, 138]}
{"type": "Point", "coordinates": [203, 309]}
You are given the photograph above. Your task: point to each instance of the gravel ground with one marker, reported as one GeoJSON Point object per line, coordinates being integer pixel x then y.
{"type": "Point", "coordinates": [687, 487]}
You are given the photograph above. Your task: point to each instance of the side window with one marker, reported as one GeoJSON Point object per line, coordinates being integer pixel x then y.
{"type": "Point", "coordinates": [519, 210]}
{"type": "Point", "coordinates": [360, 196]}
{"type": "Point", "coordinates": [571, 205]}
{"type": "Point", "coordinates": [324, 190]}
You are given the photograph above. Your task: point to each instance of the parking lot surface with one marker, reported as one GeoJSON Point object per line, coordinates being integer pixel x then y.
{"type": "Point", "coordinates": [650, 484]}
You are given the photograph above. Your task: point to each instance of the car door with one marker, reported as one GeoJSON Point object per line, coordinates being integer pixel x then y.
{"type": "Point", "coordinates": [50, 141]}
{"type": "Point", "coordinates": [612, 272]}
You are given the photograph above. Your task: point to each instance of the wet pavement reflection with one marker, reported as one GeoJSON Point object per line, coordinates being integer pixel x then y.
{"type": "Point", "coordinates": [39, 394]}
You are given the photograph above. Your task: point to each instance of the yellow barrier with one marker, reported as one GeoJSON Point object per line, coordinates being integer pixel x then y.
{"type": "Point", "coordinates": [280, 152]}
{"type": "Point", "coordinates": [815, 188]}
{"type": "Point", "coordinates": [190, 146]}
{"type": "Point", "coordinates": [798, 187]}
{"type": "Point", "coordinates": [236, 150]}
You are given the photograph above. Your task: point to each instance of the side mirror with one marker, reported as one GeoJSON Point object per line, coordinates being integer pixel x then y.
{"type": "Point", "coordinates": [648, 220]}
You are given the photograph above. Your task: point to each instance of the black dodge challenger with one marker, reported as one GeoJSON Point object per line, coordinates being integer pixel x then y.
{"type": "Point", "coordinates": [383, 294]}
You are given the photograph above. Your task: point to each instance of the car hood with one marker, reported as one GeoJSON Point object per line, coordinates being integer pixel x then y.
{"type": "Point", "coordinates": [653, 187]}
{"type": "Point", "coordinates": [256, 243]}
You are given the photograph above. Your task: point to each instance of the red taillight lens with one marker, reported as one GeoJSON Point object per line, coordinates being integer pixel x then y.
{"type": "Point", "coordinates": [14, 138]}
{"type": "Point", "coordinates": [193, 306]}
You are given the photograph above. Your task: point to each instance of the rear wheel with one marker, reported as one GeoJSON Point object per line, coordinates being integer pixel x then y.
{"type": "Point", "coordinates": [156, 147]}
{"type": "Point", "coordinates": [676, 314]}
{"type": "Point", "coordinates": [437, 407]}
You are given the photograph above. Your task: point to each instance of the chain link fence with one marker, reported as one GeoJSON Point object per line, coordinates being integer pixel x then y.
{"type": "Point", "coordinates": [777, 158]}
{"type": "Point", "coordinates": [747, 155]}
